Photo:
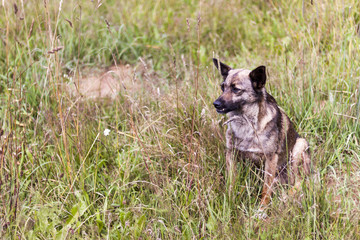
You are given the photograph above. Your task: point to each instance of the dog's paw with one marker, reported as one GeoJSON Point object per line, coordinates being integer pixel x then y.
{"type": "Point", "coordinates": [260, 214]}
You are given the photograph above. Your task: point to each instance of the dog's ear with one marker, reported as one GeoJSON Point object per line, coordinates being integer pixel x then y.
{"type": "Point", "coordinates": [258, 77]}
{"type": "Point", "coordinates": [224, 69]}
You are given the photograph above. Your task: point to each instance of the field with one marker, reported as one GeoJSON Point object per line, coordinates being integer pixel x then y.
{"type": "Point", "coordinates": [143, 157]}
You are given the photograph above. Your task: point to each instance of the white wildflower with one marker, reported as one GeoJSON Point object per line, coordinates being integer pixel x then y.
{"type": "Point", "coordinates": [106, 132]}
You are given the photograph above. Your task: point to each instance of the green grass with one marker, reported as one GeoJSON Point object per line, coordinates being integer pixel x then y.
{"type": "Point", "coordinates": [160, 172]}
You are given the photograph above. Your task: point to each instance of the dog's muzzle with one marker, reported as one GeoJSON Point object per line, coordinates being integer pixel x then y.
{"type": "Point", "coordinates": [220, 108]}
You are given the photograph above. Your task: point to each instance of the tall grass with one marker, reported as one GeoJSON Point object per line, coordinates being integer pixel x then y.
{"type": "Point", "coordinates": [160, 172]}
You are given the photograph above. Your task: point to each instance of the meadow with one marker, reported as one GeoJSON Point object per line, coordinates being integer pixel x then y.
{"type": "Point", "coordinates": [149, 161]}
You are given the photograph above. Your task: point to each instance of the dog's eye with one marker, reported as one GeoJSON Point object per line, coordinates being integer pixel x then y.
{"type": "Point", "coordinates": [236, 90]}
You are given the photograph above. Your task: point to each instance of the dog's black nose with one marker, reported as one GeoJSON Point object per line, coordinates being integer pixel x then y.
{"type": "Point", "coordinates": [217, 104]}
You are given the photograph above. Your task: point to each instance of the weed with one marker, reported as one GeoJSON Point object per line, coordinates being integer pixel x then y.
{"type": "Point", "coordinates": [159, 170]}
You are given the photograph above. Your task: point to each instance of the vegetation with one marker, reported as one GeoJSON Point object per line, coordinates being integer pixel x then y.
{"type": "Point", "coordinates": [159, 172]}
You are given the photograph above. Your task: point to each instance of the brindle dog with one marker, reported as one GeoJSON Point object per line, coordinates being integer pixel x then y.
{"type": "Point", "coordinates": [259, 130]}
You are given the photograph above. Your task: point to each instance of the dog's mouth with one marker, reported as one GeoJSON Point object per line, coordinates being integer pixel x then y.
{"type": "Point", "coordinates": [222, 107]}
{"type": "Point", "coordinates": [222, 110]}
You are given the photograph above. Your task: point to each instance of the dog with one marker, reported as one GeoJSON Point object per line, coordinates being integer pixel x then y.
{"type": "Point", "coordinates": [259, 130]}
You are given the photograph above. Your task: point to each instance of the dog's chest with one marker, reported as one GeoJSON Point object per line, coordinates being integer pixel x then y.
{"type": "Point", "coordinates": [249, 138]}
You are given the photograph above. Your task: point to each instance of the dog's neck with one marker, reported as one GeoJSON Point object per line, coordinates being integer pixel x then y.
{"type": "Point", "coordinates": [249, 112]}
{"type": "Point", "coordinates": [253, 113]}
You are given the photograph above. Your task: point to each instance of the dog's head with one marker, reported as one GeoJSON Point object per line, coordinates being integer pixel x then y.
{"type": "Point", "coordinates": [240, 87]}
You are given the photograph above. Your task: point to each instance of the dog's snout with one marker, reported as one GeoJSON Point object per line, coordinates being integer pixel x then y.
{"type": "Point", "coordinates": [217, 104]}
{"type": "Point", "coordinates": [220, 105]}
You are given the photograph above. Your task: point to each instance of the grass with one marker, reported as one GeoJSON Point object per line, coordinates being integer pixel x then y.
{"type": "Point", "coordinates": [160, 172]}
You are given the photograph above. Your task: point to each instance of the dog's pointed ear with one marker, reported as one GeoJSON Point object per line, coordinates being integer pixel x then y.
{"type": "Point", "coordinates": [224, 69]}
{"type": "Point", "coordinates": [258, 77]}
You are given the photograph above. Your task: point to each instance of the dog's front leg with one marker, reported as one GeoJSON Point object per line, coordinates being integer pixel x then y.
{"type": "Point", "coordinates": [270, 171]}
{"type": "Point", "coordinates": [230, 158]}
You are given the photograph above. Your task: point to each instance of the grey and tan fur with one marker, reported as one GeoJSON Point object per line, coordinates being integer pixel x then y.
{"type": "Point", "coordinates": [258, 130]}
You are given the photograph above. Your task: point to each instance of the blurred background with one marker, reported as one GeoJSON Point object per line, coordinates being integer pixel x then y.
{"type": "Point", "coordinates": [107, 128]}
